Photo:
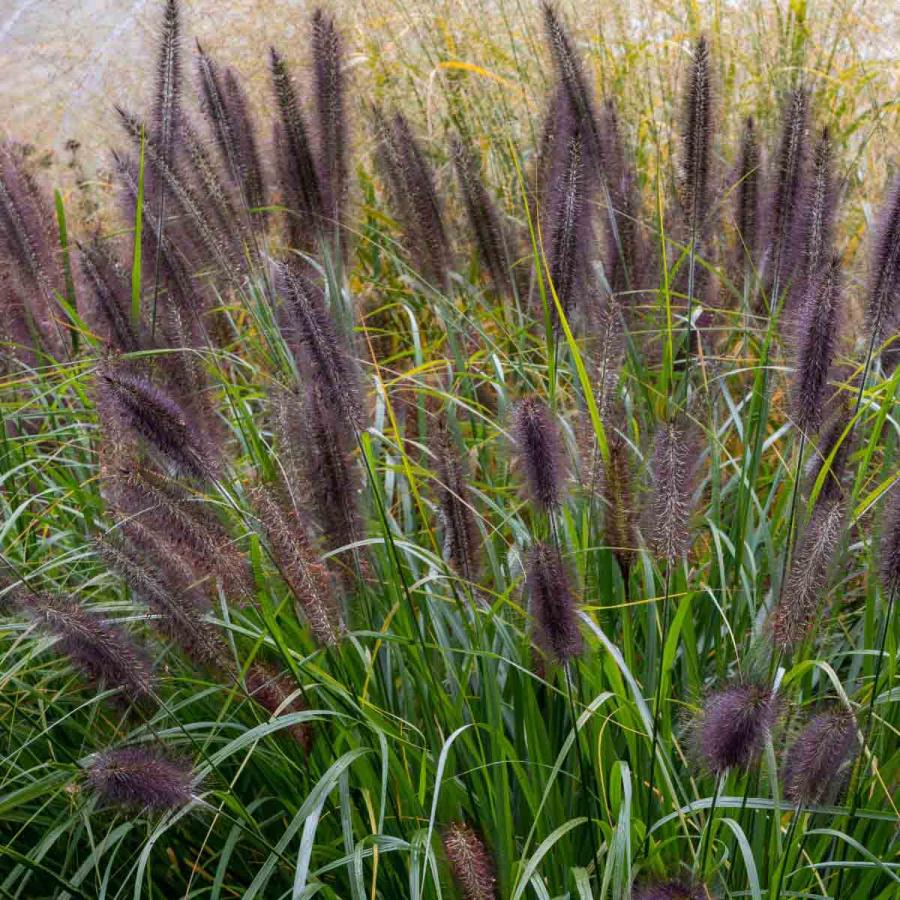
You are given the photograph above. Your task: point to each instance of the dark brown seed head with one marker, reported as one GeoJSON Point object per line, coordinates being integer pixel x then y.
{"type": "Point", "coordinates": [804, 592]}
{"type": "Point", "coordinates": [540, 450]}
{"type": "Point", "coordinates": [747, 199]}
{"type": "Point", "coordinates": [817, 760]}
{"type": "Point", "coordinates": [673, 471]}
{"type": "Point", "coordinates": [733, 726]}
{"type": "Point", "coordinates": [697, 138]}
{"type": "Point", "coordinates": [139, 778]}
{"type": "Point", "coordinates": [669, 890]}
{"type": "Point", "coordinates": [618, 495]}
{"type": "Point", "coordinates": [470, 862]}
{"type": "Point", "coordinates": [890, 543]}
{"type": "Point", "coordinates": [552, 604]}
{"type": "Point", "coordinates": [103, 652]}
{"type": "Point", "coordinates": [884, 283]}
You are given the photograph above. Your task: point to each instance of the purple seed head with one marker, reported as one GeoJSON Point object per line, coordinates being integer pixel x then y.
{"type": "Point", "coordinates": [540, 450]}
{"type": "Point", "coordinates": [732, 728]}
{"type": "Point", "coordinates": [470, 862]}
{"type": "Point", "coordinates": [817, 760]}
{"type": "Point", "coordinates": [139, 778]}
{"type": "Point", "coordinates": [669, 890]}
{"type": "Point", "coordinates": [884, 280]}
{"type": "Point", "coordinates": [552, 604]}
{"type": "Point", "coordinates": [890, 543]}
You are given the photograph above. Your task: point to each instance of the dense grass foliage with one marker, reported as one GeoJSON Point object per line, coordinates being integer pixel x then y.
{"type": "Point", "coordinates": [485, 486]}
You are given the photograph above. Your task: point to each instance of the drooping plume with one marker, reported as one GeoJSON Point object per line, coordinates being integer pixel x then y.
{"type": "Point", "coordinates": [103, 652]}
{"type": "Point", "coordinates": [162, 586]}
{"type": "Point", "coordinates": [732, 728]}
{"type": "Point", "coordinates": [673, 471]}
{"type": "Point", "coordinates": [300, 179]}
{"type": "Point", "coordinates": [540, 452]}
{"type": "Point", "coordinates": [817, 760]}
{"type": "Point", "coordinates": [276, 693]}
{"type": "Point", "coordinates": [552, 604]}
{"type": "Point", "coordinates": [135, 407]}
{"type": "Point", "coordinates": [184, 199]}
{"type": "Point", "coordinates": [110, 293]}
{"type": "Point", "coordinates": [470, 862]}
{"type": "Point", "coordinates": [803, 594]}
{"type": "Point", "coordinates": [483, 217]}
{"type": "Point", "coordinates": [140, 778]}
{"type": "Point", "coordinates": [189, 524]}
{"type": "Point", "coordinates": [321, 353]}
{"type": "Point", "coordinates": [787, 192]}
{"type": "Point", "coordinates": [300, 566]}
{"type": "Point", "coordinates": [696, 139]}
{"type": "Point", "coordinates": [412, 189]}
{"type": "Point", "coordinates": [330, 117]}
{"type": "Point", "coordinates": [890, 543]}
{"type": "Point", "coordinates": [460, 531]}
{"type": "Point", "coordinates": [747, 200]}
{"type": "Point", "coordinates": [817, 334]}
{"type": "Point", "coordinates": [28, 245]}
{"type": "Point", "coordinates": [884, 281]}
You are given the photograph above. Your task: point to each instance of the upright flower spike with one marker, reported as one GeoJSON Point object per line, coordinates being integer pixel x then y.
{"type": "Point", "coordinates": [541, 452]}
{"type": "Point", "coordinates": [331, 116]}
{"type": "Point", "coordinates": [697, 138]}
{"type": "Point", "coordinates": [470, 862]}
{"type": "Point", "coordinates": [818, 759]}
{"type": "Point", "coordinates": [139, 778]}
{"type": "Point", "coordinates": [618, 496]}
{"type": "Point", "coordinates": [817, 334]}
{"type": "Point", "coordinates": [673, 472]}
{"type": "Point", "coordinates": [890, 544]}
{"type": "Point", "coordinates": [167, 101]}
{"type": "Point", "coordinates": [803, 595]}
{"type": "Point", "coordinates": [552, 604]}
{"type": "Point", "coordinates": [787, 191]}
{"type": "Point", "coordinates": [747, 199]}
{"type": "Point", "coordinates": [884, 280]}
{"type": "Point", "coordinates": [733, 726]}
{"type": "Point", "coordinates": [820, 206]}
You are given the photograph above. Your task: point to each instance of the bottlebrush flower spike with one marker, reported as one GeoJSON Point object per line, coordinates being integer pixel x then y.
{"type": "Point", "coordinates": [890, 543]}
{"type": "Point", "coordinates": [819, 211]}
{"type": "Point", "coordinates": [670, 890]}
{"type": "Point", "coordinates": [697, 138]}
{"type": "Point", "coordinates": [673, 471]}
{"type": "Point", "coordinates": [788, 190]}
{"type": "Point", "coordinates": [110, 291]}
{"type": "Point", "coordinates": [832, 432]}
{"type": "Point", "coordinates": [483, 217]}
{"type": "Point", "coordinates": [818, 758]}
{"type": "Point", "coordinates": [470, 862]}
{"type": "Point", "coordinates": [618, 494]}
{"type": "Point", "coordinates": [461, 537]}
{"type": "Point", "coordinates": [300, 566]}
{"type": "Point", "coordinates": [274, 691]}
{"type": "Point", "coordinates": [817, 334]}
{"type": "Point", "coordinates": [331, 117]}
{"type": "Point", "coordinates": [300, 179]}
{"type": "Point", "coordinates": [249, 167]}
{"type": "Point", "coordinates": [552, 604]}
{"type": "Point", "coordinates": [884, 284]}
{"type": "Point", "coordinates": [747, 199]}
{"type": "Point", "coordinates": [132, 404]}
{"type": "Point", "coordinates": [159, 584]}
{"type": "Point", "coordinates": [321, 353]}
{"type": "Point", "coordinates": [733, 726]}
{"type": "Point", "coordinates": [167, 102]}
{"type": "Point", "coordinates": [540, 450]}
{"type": "Point", "coordinates": [803, 594]}
{"type": "Point", "coordinates": [139, 778]}
{"type": "Point", "coordinates": [103, 652]}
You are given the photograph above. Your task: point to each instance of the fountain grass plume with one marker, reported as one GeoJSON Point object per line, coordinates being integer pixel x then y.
{"type": "Point", "coordinates": [552, 604]}
{"type": "Point", "coordinates": [470, 862]}
{"type": "Point", "coordinates": [540, 452]}
{"type": "Point", "coordinates": [818, 760]}
{"type": "Point", "coordinates": [141, 779]}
